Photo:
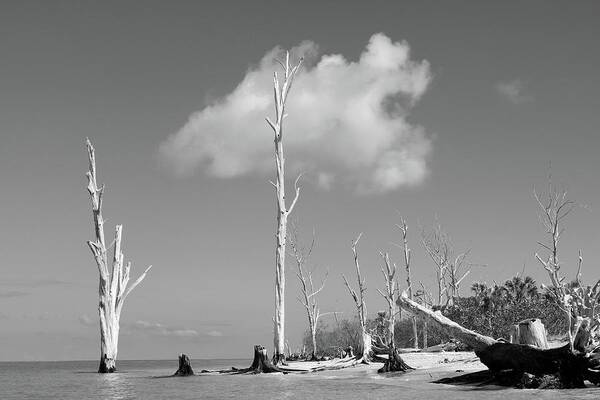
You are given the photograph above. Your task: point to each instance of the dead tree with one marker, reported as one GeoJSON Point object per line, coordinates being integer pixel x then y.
{"type": "Point", "coordinates": [113, 288]}
{"type": "Point", "coordinates": [394, 362]}
{"type": "Point", "coordinates": [365, 352]}
{"type": "Point", "coordinates": [554, 208]}
{"type": "Point", "coordinates": [449, 268]}
{"type": "Point", "coordinates": [308, 290]}
{"type": "Point", "coordinates": [280, 93]}
{"type": "Point", "coordinates": [407, 258]}
{"type": "Point", "coordinates": [571, 367]}
{"type": "Point", "coordinates": [425, 298]}
{"type": "Point", "coordinates": [437, 246]}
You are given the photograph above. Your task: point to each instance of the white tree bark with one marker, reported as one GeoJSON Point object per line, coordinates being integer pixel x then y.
{"type": "Point", "coordinates": [553, 210]}
{"type": "Point", "coordinates": [390, 295]}
{"type": "Point", "coordinates": [113, 282]}
{"type": "Point", "coordinates": [407, 258]}
{"type": "Point", "coordinates": [365, 353]}
{"type": "Point", "coordinates": [307, 287]}
{"type": "Point", "coordinates": [280, 94]}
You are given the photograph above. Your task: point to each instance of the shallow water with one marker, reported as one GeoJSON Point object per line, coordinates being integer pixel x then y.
{"type": "Point", "coordinates": [142, 380]}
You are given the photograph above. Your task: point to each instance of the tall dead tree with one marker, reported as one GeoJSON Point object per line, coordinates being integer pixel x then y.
{"type": "Point", "coordinates": [436, 244]}
{"type": "Point", "coordinates": [308, 290]}
{"type": "Point", "coordinates": [281, 92]}
{"type": "Point", "coordinates": [113, 288]}
{"type": "Point", "coordinates": [365, 352]}
{"type": "Point", "coordinates": [407, 258]}
{"type": "Point", "coordinates": [394, 362]}
{"type": "Point", "coordinates": [450, 269]}
{"type": "Point", "coordinates": [390, 294]}
{"type": "Point", "coordinates": [554, 208]}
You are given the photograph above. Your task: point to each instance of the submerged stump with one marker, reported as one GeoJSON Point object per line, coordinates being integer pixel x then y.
{"type": "Point", "coordinates": [185, 366]}
{"type": "Point", "coordinates": [107, 365]}
{"type": "Point", "coordinates": [394, 363]}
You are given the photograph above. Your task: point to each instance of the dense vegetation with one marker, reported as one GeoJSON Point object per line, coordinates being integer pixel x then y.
{"type": "Point", "coordinates": [490, 310]}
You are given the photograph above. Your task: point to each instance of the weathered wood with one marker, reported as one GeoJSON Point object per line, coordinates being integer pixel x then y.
{"type": "Point", "coordinates": [467, 336]}
{"type": "Point", "coordinates": [531, 332]}
{"type": "Point", "coordinates": [365, 350]}
{"type": "Point", "coordinates": [261, 362]}
{"type": "Point", "coordinates": [571, 367]}
{"type": "Point", "coordinates": [281, 93]}
{"type": "Point", "coordinates": [185, 366]}
{"type": "Point", "coordinates": [113, 289]}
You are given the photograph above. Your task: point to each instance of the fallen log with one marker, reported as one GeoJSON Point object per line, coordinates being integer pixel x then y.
{"type": "Point", "coordinates": [185, 366]}
{"type": "Point", "coordinates": [571, 367]}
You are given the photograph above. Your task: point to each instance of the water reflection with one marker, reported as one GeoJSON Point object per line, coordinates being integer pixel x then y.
{"type": "Point", "coordinates": [116, 386]}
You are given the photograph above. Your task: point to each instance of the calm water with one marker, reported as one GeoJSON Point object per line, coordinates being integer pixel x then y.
{"type": "Point", "coordinates": [142, 380]}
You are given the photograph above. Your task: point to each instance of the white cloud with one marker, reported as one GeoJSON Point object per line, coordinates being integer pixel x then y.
{"type": "Point", "coordinates": [347, 121]}
{"type": "Point", "coordinates": [514, 91]}
{"type": "Point", "coordinates": [86, 320]}
{"type": "Point", "coordinates": [157, 328]}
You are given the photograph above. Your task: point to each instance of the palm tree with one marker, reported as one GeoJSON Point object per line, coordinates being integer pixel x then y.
{"type": "Point", "coordinates": [519, 289]}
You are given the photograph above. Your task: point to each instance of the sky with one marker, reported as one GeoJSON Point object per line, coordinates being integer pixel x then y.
{"type": "Point", "coordinates": [447, 111]}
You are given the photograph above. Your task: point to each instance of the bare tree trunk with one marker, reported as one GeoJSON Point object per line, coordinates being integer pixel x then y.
{"type": "Point", "coordinates": [553, 210]}
{"type": "Point", "coordinates": [365, 352]}
{"type": "Point", "coordinates": [281, 93]}
{"type": "Point", "coordinates": [313, 334]}
{"type": "Point", "coordinates": [425, 327]}
{"type": "Point", "coordinates": [404, 229]}
{"type": "Point", "coordinates": [112, 286]}
{"type": "Point", "coordinates": [307, 286]}
{"type": "Point", "coordinates": [394, 362]}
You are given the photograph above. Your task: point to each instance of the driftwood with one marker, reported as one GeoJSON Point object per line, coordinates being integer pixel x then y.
{"type": "Point", "coordinates": [571, 368]}
{"type": "Point", "coordinates": [185, 366]}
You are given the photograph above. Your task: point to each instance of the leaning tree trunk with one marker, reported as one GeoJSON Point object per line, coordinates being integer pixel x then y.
{"type": "Point", "coordinates": [113, 282]}
{"type": "Point", "coordinates": [281, 93]}
{"type": "Point", "coordinates": [571, 367]}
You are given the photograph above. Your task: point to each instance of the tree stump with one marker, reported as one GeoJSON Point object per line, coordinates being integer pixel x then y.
{"type": "Point", "coordinates": [394, 363]}
{"type": "Point", "coordinates": [107, 365]}
{"type": "Point", "coordinates": [531, 332]}
{"type": "Point", "coordinates": [185, 366]}
{"type": "Point", "coordinates": [261, 362]}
